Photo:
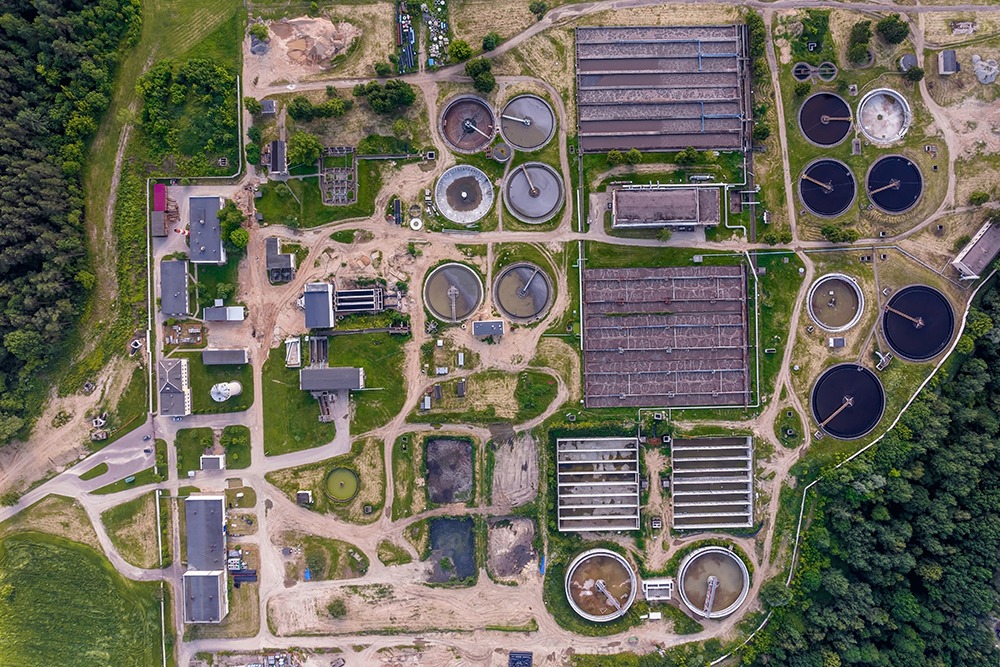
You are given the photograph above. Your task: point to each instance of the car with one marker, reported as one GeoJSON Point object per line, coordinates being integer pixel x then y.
{"type": "Point", "coordinates": [147, 451]}
{"type": "Point", "coordinates": [146, 439]}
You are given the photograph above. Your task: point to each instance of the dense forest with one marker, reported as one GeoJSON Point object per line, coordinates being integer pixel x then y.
{"type": "Point", "coordinates": [57, 61]}
{"type": "Point", "coordinates": [900, 563]}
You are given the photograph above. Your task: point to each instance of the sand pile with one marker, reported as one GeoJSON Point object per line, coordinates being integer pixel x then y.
{"type": "Point", "coordinates": [313, 41]}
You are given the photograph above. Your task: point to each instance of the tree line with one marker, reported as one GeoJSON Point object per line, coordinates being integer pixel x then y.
{"type": "Point", "coordinates": [57, 64]}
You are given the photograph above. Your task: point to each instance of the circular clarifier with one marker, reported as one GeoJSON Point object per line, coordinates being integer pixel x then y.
{"type": "Point", "coordinates": [467, 124]}
{"type": "Point", "coordinates": [825, 119]}
{"type": "Point", "coordinates": [835, 302]}
{"type": "Point", "coordinates": [918, 321]}
{"type": "Point", "coordinates": [714, 582]}
{"type": "Point", "coordinates": [453, 291]}
{"type": "Point", "coordinates": [600, 585]}
{"type": "Point", "coordinates": [523, 292]}
{"type": "Point", "coordinates": [464, 194]}
{"type": "Point", "coordinates": [884, 116]}
{"type": "Point", "coordinates": [827, 187]}
{"type": "Point", "coordinates": [527, 122]}
{"type": "Point", "coordinates": [342, 484]}
{"type": "Point", "coordinates": [894, 184]}
{"type": "Point", "coordinates": [533, 192]}
{"type": "Point", "coordinates": [848, 401]}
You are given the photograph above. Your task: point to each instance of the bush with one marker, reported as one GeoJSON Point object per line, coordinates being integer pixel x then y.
{"type": "Point", "coordinates": [484, 82]}
{"type": "Point", "coordinates": [978, 198]}
{"type": "Point", "coordinates": [538, 8]}
{"type": "Point", "coordinates": [914, 74]}
{"type": "Point", "coordinates": [761, 131]}
{"type": "Point", "coordinates": [615, 156]}
{"type": "Point", "coordinates": [491, 41]}
{"type": "Point", "coordinates": [459, 50]}
{"type": "Point", "coordinates": [665, 234]}
{"type": "Point", "coordinates": [254, 134]}
{"type": "Point", "coordinates": [392, 96]}
{"type": "Point", "coordinates": [802, 89]}
{"type": "Point", "coordinates": [836, 234]}
{"type": "Point", "coordinates": [477, 66]}
{"type": "Point", "coordinates": [252, 105]}
{"type": "Point", "coordinates": [253, 154]}
{"type": "Point", "coordinates": [300, 108]}
{"type": "Point", "coordinates": [383, 69]}
{"type": "Point", "coordinates": [337, 608]}
{"type": "Point", "coordinates": [260, 31]}
{"type": "Point", "coordinates": [688, 156]}
{"type": "Point", "coordinates": [303, 148]}
{"type": "Point", "coordinates": [857, 54]}
{"type": "Point", "coordinates": [633, 156]}
{"type": "Point", "coordinates": [965, 345]}
{"type": "Point", "coordinates": [861, 33]}
{"type": "Point", "coordinates": [893, 29]}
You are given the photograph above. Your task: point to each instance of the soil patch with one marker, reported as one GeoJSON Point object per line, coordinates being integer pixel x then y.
{"type": "Point", "coordinates": [515, 473]}
{"type": "Point", "coordinates": [449, 471]}
{"type": "Point", "coordinates": [511, 543]}
{"type": "Point", "coordinates": [452, 551]}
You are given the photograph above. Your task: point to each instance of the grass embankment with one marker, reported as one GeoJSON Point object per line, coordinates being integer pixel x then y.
{"type": "Point", "coordinates": [492, 396]}
{"type": "Point", "coordinates": [132, 529]}
{"type": "Point", "coordinates": [291, 416]}
{"type": "Point", "coordinates": [204, 377]}
{"type": "Point", "coordinates": [64, 604]}
{"type": "Point", "coordinates": [393, 554]}
{"type": "Point", "coordinates": [326, 558]}
{"type": "Point", "coordinates": [96, 471]}
{"type": "Point", "coordinates": [408, 476]}
{"type": "Point", "coordinates": [365, 459]}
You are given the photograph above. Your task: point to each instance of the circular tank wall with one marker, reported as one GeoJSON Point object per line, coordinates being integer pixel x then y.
{"type": "Point", "coordinates": [464, 194]}
{"type": "Point", "coordinates": [527, 122]}
{"type": "Point", "coordinates": [452, 292]}
{"type": "Point", "coordinates": [825, 119]}
{"type": "Point", "coordinates": [884, 116]}
{"type": "Point", "coordinates": [827, 187]}
{"type": "Point", "coordinates": [467, 124]}
{"type": "Point", "coordinates": [918, 322]}
{"type": "Point", "coordinates": [523, 292]}
{"type": "Point", "coordinates": [600, 585]}
{"type": "Point", "coordinates": [894, 184]}
{"type": "Point", "coordinates": [533, 192]}
{"type": "Point", "coordinates": [713, 582]}
{"type": "Point", "coordinates": [848, 401]}
{"type": "Point", "coordinates": [835, 302]}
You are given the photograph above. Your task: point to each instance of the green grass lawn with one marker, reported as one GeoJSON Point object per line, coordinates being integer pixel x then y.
{"type": "Point", "coordinates": [191, 443]}
{"type": "Point", "coordinates": [131, 410]}
{"type": "Point", "coordinates": [64, 604]}
{"type": "Point", "coordinates": [344, 235]}
{"type": "Point", "coordinates": [298, 202]}
{"type": "Point", "coordinates": [609, 256]}
{"type": "Point", "coordinates": [132, 529]}
{"type": "Point", "coordinates": [210, 276]}
{"type": "Point", "coordinates": [778, 288]}
{"type": "Point", "coordinates": [96, 471]}
{"type": "Point", "coordinates": [381, 355]}
{"type": "Point", "coordinates": [291, 416]}
{"type": "Point", "coordinates": [248, 500]}
{"type": "Point", "coordinates": [393, 554]}
{"type": "Point", "coordinates": [327, 558]}
{"type": "Point", "coordinates": [406, 465]}
{"type": "Point", "coordinates": [236, 440]}
{"type": "Point", "coordinates": [534, 392]}
{"type": "Point", "coordinates": [203, 377]}
{"type": "Point", "coordinates": [141, 478]}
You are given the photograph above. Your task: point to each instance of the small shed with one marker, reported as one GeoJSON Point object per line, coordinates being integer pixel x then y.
{"type": "Point", "coordinates": [304, 497]}
{"type": "Point", "coordinates": [211, 462]}
{"type": "Point", "coordinates": [907, 62]}
{"type": "Point", "coordinates": [268, 107]}
{"type": "Point", "coordinates": [484, 328]}
{"type": "Point", "coordinates": [948, 62]}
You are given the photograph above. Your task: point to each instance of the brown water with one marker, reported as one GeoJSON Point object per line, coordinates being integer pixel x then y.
{"type": "Point", "coordinates": [464, 194]}
{"type": "Point", "coordinates": [834, 303]}
{"type": "Point", "coordinates": [725, 568]}
{"type": "Point", "coordinates": [534, 299]}
{"type": "Point", "coordinates": [583, 585]}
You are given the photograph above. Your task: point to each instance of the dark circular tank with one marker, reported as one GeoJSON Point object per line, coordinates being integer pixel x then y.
{"type": "Point", "coordinates": [827, 187]}
{"type": "Point", "coordinates": [522, 292]}
{"type": "Point", "coordinates": [467, 124]}
{"type": "Point", "coordinates": [527, 122]}
{"type": "Point", "coordinates": [825, 119]}
{"type": "Point", "coordinates": [533, 192]}
{"type": "Point", "coordinates": [452, 292]}
{"type": "Point", "coordinates": [894, 184]}
{"type": "Point", "coordinates": [802, 71]}
{"type": "Point", "coordinates": [848, 401]}
{"type": "Point", "coordinates": [918, 321]}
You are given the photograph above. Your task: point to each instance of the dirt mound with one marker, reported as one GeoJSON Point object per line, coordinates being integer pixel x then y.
{"type": "Point", "coordinates": [309, 41]}
{"type": "Point", "coordinates": [511, 545]}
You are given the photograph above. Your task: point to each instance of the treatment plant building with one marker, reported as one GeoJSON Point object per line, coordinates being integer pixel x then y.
{"type": "Point", "coordinates": [206, 591]}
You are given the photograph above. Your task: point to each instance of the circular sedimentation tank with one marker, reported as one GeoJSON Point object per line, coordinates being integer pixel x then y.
{"type": "Point", "coordinates": [523, 292]}
{"type": "Point", "coordinates": [464, 194]}
{"type": "Point", "coordinates": [918, 321]}
{"type": "Point", "coordinates": [527, 122]}
{"type": "Point", "coordinates": [826, 71]}
{"type": "Point", "coordinates": [342, 484]}
{"type": "Point", "coordinates": [468, 124]}
{"type": "Point", "coordinates": [848, 401]}
{"type": "Point", "coordinates": [894, 184]}
{"type": "Point", "coordinates": [825, 119]}
{"type": "Point", "coordinates": [802, 71]}
{"type": "Point", "coordinates": [713, 582]}
{"type": "Point", "coordinates": [502, 152]}
{"type": "Point", "coordinates": [533, 192]}
{"type": "Point", "coordinates": [827, 187]}
{"type": "Point", "coordinates": [884, 116]}
{"type": "Point", "coordinates": [600, 585]}
{"type": "Point", "coordinates": [453, 291]}
{"type": "Point", "coordinates": [836, 302]}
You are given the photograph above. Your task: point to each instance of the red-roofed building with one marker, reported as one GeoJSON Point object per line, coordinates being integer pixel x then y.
{"type": "Point", "coordinates": [159, 197]}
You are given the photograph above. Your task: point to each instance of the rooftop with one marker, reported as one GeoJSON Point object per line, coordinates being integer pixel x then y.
{"type": "Point", "coordinates": [279, 162]}
{"type": "Point", "coordinates": [487, 328]}
{"type": "Point", "coordinates": [173, 387]}
{"type": "Point", "coordinates": [331, 379]}
{"type": "Point", "coordinates": [268, 107]}
{"type": "Point", "coordinates": [204, 528]}
{"type": "Point", "coordinates": [219, 313]}
{"type": "Point", "coordinates": [205, 596]}
{"type": "Point", "coordinates": [318, 302]}
{"type": "Point", "coordinates": [662, 206]}
{"type": "Point", "coordinates": [206, 233]}
{"type": "Point", "coordinates": [174, 287]}
{"type": "Point", "coordinates": [975, 258]}
{"type": "Point", "coordinates": [221, 357]}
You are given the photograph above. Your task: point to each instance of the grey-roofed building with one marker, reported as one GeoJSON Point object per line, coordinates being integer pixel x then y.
{"type": "Point", "coordinates": [948, 62]}
{"type": "Point", "coordinates": [331, 379]}
{"type": "Point", "coordinates": [174, 287]}
{"type": "Point", "coordinates": [174, 387]}
{"type": "Point", "coordinates": [206, 597]}
{"type": "Point", "coordinates": [975, 258]}
{"type": "Point", "coordinates": [268, 107]}
{"type": "Point", "coordinates": [318, 304]}
{"type": "Point", "coordinates": [158, 223]}
{"type": "Point", "coordinates": [660, 206]}
{"type": "Point", "coordinates": [220, 357]}
{"type": "Point", "coordinates": [279, 162]}
{"type": "Point", "coordinates": [220, 313]}
{"type": "Point", "coordinates": [485, 328]}
{"type": "Point", "coordinates": [213, 462]}
{"type": "Point", "coordinates": [280, 265]}
{"type": "Point", "coordinates": [206, 233]}
{"type": "Point", "coordinates": [205, 530]}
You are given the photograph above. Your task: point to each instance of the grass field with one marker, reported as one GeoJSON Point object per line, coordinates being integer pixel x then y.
{"type": "Point", "coordinates": [191, 443]}
{"type": "Point", "coordinates": [96, 471]}
{"type": "Point", "coordinates": [141, 478]}
{"type": "Point", "coordinates": [298, 203]}
{"type": "Point", "coordinates": [407, 475]}
{"type": "Point", "coordinates": [132, 529]}
{"type": "Point", "coordinates": [203, 377]}
{"type": "Point", "coordinates": [326, 558]}
{"type": "Point", "coordinates": [492, 395]}
{"type": "Point", "coordinates": [64, 604]}
{"type": "Point", "coordinates": [238, 453]}
{"type": "Point", "coordinates": [291, 416]}
{"type": "Point", "coordinates": [130, 412]}
{"type": "Point", "coordinates": [393, 554]}
{"type": "Point", "coordinates": [210, 276]}
{"type": "Point", "coordinates": [381, 355]}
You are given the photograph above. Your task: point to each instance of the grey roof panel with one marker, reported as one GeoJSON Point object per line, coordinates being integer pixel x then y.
{"type": "Point", "coordinates": [206, 233]}
{"type": "Point", "coordinates": [219, 357]}
{"type": "Point", "coordinates": [487, 328]}
{"type": "Point", "coordinates": [331, 379]}
{"type": "Point", "coordinates": [174, 287]}
{"type": "Point", "coordinates": [318, 299]}
{"type": "Point", "coordinates": [203, 593]}
{"type": "Point", "coordinates": [204, 527]}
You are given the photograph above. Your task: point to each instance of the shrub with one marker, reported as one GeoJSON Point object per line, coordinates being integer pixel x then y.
{"type": "Point", "coordinates": [459, 50]}
{"type": "Point", "coordinates": [491, 41]}
{"type": "Point", "coordinates": [392, 96]}
{"type": "Point", "coordinates": [836, 234]}
{"type": "Point", "coordinates": [893, 29]}
{"type": "Point", "coordinates": [633, 156]}
{"type": "Point", "coordinates": [861, 33]}
{"type": "Point", "coordinates": [761, 131]}
{"type": "Point", "coordinates": [802, 89]}
{"type": "Point", "coordinates": [538, 8]}
{"type": "Point", "coordinates": [253, 154]}
{"type": "Point", "coordinates": [857, 54]}
{"type": "Point", "coordinates": [665, 234]}
{"type": "Point", "coordinates": [477, 66]}
{"type": "Point", "coordinates": [303, 148]}
{"type": "Point", "coordinates": [484, 82]}
{"type": "Point", "coordinates": [965, 345]}
{"type": "Point", "coordinates": [337, 608]}
{"type": "Point", "coordinates": [978, 198]}
{"type": "Point", "coordinates": [615, 156]}
{"type": "Point", "coordinates": [914, 74]}
{"type": "Point", "coordinates": [254, 134]}
{"type": "Point", "coordinates": [687, 156]}
{"type": "Point", "coordinates": [260, 31]}
{"type": "Point", "coordinates": [383, 69]}
{"type": "Point", "coordinates": [252, 104]}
